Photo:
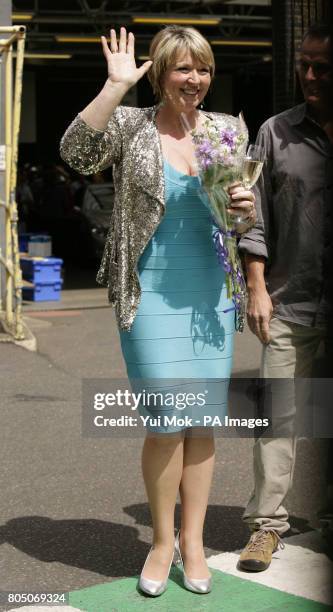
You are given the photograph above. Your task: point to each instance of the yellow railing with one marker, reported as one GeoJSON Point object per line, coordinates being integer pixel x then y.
{"type": "Point", "coordinates": [12, 314]}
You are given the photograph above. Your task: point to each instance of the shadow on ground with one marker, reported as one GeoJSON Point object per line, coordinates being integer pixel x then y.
{"type": "Point", "coordinates": [112, 549]}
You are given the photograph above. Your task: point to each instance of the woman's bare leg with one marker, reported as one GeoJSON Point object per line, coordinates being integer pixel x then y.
{"type": "Point", "coordinates": [199, 457]}
{"type": "Point", "coordinates": [162, 466]}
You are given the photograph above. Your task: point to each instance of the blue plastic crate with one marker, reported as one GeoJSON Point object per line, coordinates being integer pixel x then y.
{"type": "Point", "coordinates": [43, 292]}
{"type": "Point", "coordinates": [41, 269]}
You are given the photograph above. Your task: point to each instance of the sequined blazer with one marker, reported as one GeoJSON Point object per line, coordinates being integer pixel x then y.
{"type": "Point", "coordinates": [131, 143]}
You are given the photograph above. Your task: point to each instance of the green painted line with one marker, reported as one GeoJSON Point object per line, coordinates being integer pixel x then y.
{"type": "Point", "coordinates": [229, 594]}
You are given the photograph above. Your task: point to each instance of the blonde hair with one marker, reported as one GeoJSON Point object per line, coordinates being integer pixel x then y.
{"type": "Point", "coordinates": [167, 44]}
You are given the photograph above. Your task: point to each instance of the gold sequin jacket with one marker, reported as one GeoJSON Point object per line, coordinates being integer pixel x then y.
{"type": "Point", "coordinates": [131, 143]}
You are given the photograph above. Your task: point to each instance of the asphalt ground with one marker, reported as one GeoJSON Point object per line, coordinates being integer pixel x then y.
{"type": "Point", "coordinates": [73, 510]}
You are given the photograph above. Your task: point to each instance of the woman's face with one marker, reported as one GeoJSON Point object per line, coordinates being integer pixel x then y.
{"type": "Point", "coordinates": [186, 82]}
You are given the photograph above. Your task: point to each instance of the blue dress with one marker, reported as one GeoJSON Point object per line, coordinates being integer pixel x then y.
{"type": "Point", "coordinates": [184, 327]}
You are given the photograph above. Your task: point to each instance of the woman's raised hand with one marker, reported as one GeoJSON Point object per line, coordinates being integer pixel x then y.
{"type": "Point", "coordinates": [120, 59]}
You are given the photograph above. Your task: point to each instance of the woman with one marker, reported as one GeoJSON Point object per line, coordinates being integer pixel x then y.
{"type": "Point", "coordinates": [161, 269]}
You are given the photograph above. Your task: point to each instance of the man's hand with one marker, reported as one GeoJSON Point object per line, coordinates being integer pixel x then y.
{"type": "Point", "coordinates": [259, 313]}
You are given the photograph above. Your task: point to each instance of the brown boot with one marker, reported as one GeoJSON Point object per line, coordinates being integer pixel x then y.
{"type": "Point", "coordinates": [257, 554]}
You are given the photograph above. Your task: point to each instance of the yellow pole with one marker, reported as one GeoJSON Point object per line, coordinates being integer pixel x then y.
{"type": "Point", "coordinates": [6, 43]}
{"type": "Point", "coordinates": [12, 108]}
{"type": "Point", "coordinates": [11, 29]}
{"type": "Point", "coordinates": [13, 175]}
{"type": "Point", "coordinates": [15, 31]}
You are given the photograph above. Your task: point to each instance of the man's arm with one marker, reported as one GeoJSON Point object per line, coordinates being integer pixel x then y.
{"type": "Point", "coordinates": [254, 245]}
{"type": "Point", "coordinates": [259, 305]}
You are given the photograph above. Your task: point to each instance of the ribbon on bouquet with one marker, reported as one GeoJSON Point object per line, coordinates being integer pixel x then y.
{"type": "Point", "coordinates": [234, 272]}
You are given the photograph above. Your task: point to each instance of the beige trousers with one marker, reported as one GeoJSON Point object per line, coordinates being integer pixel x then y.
{"type": "Point", "coordinates": [289, 355]}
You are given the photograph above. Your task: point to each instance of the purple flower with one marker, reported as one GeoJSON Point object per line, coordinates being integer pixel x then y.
{"type": "Point", "coordinates": [205, 162]}
{"type": "Point", "coordinates": [204, 153]}
{"type": "Point", "coordinates": [228, 137]}
{"type": "Point", "coordinates": [205, 148]}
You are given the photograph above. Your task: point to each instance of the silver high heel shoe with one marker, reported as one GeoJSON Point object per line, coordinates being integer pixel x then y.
{"type": "Point", "coordinates": [196, 585]}
{"type": "Point", "coordinates": [153, 587]}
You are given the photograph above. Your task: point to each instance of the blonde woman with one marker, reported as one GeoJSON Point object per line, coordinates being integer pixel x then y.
{"type": "Point", "coordinates": [159, 263]}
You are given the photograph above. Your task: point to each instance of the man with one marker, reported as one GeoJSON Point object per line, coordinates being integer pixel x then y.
{"type": "Point", "coordinates": [284, 259]}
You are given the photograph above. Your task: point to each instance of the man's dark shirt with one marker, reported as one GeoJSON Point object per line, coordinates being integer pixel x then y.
{"type": "Point", "coordinates": [294, 206]}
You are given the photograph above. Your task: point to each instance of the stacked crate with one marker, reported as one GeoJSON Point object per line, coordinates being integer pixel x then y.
{"type": "Point", "coordinates": [44, 278]}
{"type": "Point", "coordinates": [41, 273]}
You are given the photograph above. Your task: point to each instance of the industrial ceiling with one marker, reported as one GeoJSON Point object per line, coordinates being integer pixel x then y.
{"type": "Point", "coordinates": [58, 30]}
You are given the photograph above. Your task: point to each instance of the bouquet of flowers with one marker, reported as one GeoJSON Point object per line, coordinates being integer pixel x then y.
{"type": "Point", "coordinates": [220, 151]}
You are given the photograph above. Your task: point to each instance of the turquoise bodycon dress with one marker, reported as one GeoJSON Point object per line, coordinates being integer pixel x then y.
{"type": "Point", "coordinates": [184, 327]}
